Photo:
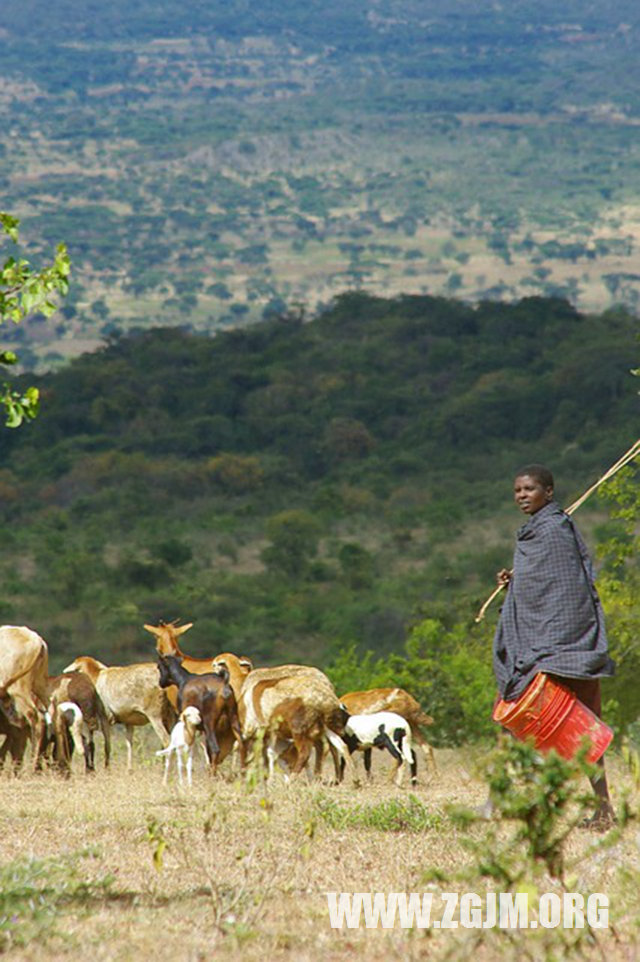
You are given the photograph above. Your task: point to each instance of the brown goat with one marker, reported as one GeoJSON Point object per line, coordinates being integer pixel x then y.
{"type": "Point", "coordinates": [24, 660]}
{"type": "Point", "coordinates": [15, 743]}
{"type": "Point", "coordinates": [78, 688]}
{"type": "Point", "coordinates": [212, 695]}
{"type": "Point", "coordinates": [131, 697]}
{"type": "Point", "coordinates": [166, 635]}
{"type": "Point", "coordinates": [297, 704]}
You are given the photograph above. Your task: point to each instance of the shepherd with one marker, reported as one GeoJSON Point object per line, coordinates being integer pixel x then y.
{"type": "Point", "coordinates": [552, 619]}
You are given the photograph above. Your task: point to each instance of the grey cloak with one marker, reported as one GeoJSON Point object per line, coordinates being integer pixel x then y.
{"type": "Point", "coordinates": [552, 619]}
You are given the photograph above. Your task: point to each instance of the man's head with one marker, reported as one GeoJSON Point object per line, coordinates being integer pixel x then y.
{"type": "Point", "coordinates": [533, 487]}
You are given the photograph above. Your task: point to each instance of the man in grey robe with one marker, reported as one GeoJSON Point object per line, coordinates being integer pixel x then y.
{"type": "Point", "coordinates": [552, 620]}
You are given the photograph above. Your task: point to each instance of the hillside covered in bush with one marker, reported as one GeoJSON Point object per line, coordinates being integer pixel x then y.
{"type": "Point", "coordinates": [303, 490]}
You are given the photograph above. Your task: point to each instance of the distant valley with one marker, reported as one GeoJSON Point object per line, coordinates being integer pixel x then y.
{"type": "Point", "coordinates": [216, 167]}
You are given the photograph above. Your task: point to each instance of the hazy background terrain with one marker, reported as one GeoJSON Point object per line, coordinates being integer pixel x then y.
{"type": "Point", "coordinates": [208, 162]}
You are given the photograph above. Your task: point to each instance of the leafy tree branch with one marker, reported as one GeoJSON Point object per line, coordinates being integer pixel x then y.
{"type": "Point", "coordinates": [24, 291]}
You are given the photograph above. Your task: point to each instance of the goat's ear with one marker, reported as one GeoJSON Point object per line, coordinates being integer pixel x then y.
{"type": "Point", "coordinates": [222, 672]}
{"type": "Point", "coordinates": [245, 662]}
{"type": "Point", "coordinates": [153, 630]}
{"type": "Point", "coordinates": [181, 630]}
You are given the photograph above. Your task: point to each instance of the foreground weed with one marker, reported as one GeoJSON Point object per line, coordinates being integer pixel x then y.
{"type": "Point", "coordinates": [35, 892]}
{"type": "Point", "coordinates": [631, 751]}
{"type": "Point", "coordinates": [537, 804]}
{"type": "Point", "coordinates": [237, 900]}
{"type": "Point", "coordinates": [157, 841]}
{"type": "Point", "coordinates": [392, 815]}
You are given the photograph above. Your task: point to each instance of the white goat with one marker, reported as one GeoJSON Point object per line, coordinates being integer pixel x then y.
{"type": "Point", "coordinates": [183, 737]}
{"type": "Point", "coordinates": [383, 729]}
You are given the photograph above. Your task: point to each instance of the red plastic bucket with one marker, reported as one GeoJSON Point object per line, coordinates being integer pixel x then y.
{"type": "Point", "coordinates": [554, 718]}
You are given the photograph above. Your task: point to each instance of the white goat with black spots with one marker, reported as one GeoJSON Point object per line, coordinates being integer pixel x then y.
{"type": "Point", "coordinates": [383, 729]}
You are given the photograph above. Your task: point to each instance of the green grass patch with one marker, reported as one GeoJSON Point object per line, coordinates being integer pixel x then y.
{"type": "Point", "coordinates": [35, 892]}
{"type": "Point", "coordinates": [392, 815]}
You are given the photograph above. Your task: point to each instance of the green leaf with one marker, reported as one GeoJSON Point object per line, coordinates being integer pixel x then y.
{"type": "Point", "coordinates": [62, 261]}
{"type": "Point", "coordinates": [14, 414]}
{"type": "Point", "coordinates": [32, 397]}
{"type": "Point", "coordinates": [29, 300]}
{"type": "Point", "coordinates": [9, 225]}
{"type": "Point", "coordinates": [158, 853]}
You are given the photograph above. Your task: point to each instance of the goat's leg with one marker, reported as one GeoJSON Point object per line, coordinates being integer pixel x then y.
{"type": "Point", "coordinates": [319, 748]}
{"type": "Point", "coordinates": [403, 742]}
{"type": "Point", "coordinates": [414, 768]}
{"type": "Point", "coordinates": [4, 749]}
{"type": "Point", "coordinates": [89, 752]}
{"type": "Point", "coordinates": [382, 740]}
{"type": "Point", "coordinates": [237, 734]}
{"type": "Point", "coordinates": [159, 728]}
{"type": "Point", "coordinates": [338, 765]}
{"type": "Point", "coordinates": [270, 755]}
{"type": "Point", "coordinates": [179, 763]}
{"type": "Point", "coordinates": [367, 762]}
{"type": "Point", "coordinates": [282, 750]}
{"type": "Point", "coordinates": [190, 766]}
{"type": "Point", "coordinates": [399, 773]}
{"type": "Point", "coordinates": [63, 742]}
{"type": "Point", "coordinates": [431, 758]}
{"type": "Point", "coordinates": [16, 745]}
{"type": "Point", "coordinates": [303, 746]}
{"type": "Point", "coordinates": [344, 753]}
{"type": "Point", "coordinates": [213, 749]}
{"type": "Point", "coordinates": [38, 734]}
{"type": "Point", "coordinates": [129, 737]}
{"type": "Point", "coordinates": [106, 734]}
{"type": "Point", "coordinates": [408, 755]}
{"type": "Point", "coordinates": [426, 748]}
{"type": "Point", "coordinates": [77, 738]}
{"type": "Point", "coordinates": [403, 760]}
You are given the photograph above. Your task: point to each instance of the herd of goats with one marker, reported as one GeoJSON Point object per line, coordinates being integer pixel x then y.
{"type": "Point", "coordinates": [284, 713]}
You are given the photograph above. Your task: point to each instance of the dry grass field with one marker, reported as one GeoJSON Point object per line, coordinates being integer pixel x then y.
{"type": "Point", "coordinates": [116, 866]}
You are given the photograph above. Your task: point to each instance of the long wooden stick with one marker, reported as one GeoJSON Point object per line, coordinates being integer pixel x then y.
{"type": "Point", "coordinates": [626, 458]}
{"type": "Point", "coordinates": [632, 453]}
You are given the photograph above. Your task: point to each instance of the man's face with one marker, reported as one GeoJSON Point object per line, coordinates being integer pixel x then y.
{"type": "Point", "coordinates": [530, 495]}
